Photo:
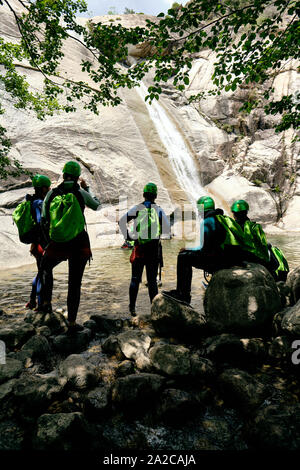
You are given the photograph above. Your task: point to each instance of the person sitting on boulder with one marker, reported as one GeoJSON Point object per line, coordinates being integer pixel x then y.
{"type": "Point", "coordinates": [150, 222]}
{"type": "Point", "coordinates": [223, 245]}
{"type": "Point", "coordinates": [270, 256]}
{"type": "Point", "coordinates": [64, 223]}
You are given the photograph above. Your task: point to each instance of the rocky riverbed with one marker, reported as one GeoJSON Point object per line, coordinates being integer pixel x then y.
{"type": "Point", "coordinates": [137, 383]}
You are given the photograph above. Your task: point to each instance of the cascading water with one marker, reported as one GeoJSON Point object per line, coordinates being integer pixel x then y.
{"type": "Point", "coordinates": [180, 157]}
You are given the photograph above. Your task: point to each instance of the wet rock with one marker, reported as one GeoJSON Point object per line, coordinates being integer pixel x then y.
{"type": "Point", "coordinates": [134, 344]}
{"type": "Point", "coordinates": [291, 320]}
{"type": "Point", "coordinates": [137, 389]}
{"type": "Point", "coordinates": [202, 368]}
{"type": "Point", "coordinates": [96, 403]}
{"type": "Point", "coordinates": [176, 406]}
{"type": "Point", "coordinates": [280, 348]}
{"type": "Point", "coordinates": [10, 370]}
{"type": "Point", "coordinates": [61, 432]}
{"type": "Point", "coordinates": [33, 394]}
{"type": "Point", "coordinates": [15, 336]}
{"type": "Point", "coordinates": [79, 373]}
{"type": "Point", "coordinates": [39, 347]}
{"type": "Point", "coordinates": [11, 436]}
{"type": "Point", "coordinates": [110, 324]}
{"type": "Point", "coordinates": [241, 300]}
{"type": "Point", "coordinates": [56, 322]}
{"type": "Point", "coordinates": [241, 390]}
{"type": "Point", "coordinates": [293, 282]}
{"type": "Point", "coordinates": [68, 344]}
{"type": "Point", "coordinates": [125, 368]}
{"type": "Point", "coordinates": [170, 318]}
{"type": "Point", "coordinates": [170, 359]}
{"type": "Point", "coordinates": [276, 427]}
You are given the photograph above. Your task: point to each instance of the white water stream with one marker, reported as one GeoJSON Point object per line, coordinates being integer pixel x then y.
{"type": "Point", "coordinates": [181, 160]}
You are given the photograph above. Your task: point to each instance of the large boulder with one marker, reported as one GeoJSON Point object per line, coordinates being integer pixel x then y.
{"type": "Point", "coordinates": [33, 394]}
{"type": "Point", "coordinates": [16, 335]}
{"type": "Point", "coordinates": [61, 431]}
{"type": "Point", "coordinates": [11, 369]}
{"type": "Point", "coordinates": [68, 344]}
{"type": "Point", "coordinates": [291, 320]}
{"type": "Point", "coordinates": [241, 300]}
{"type": "Point", "coordinates": [12, 436]}
{"type": "Point", "coordinates": [171, 359]}
{"type": "Point", "coordinates": [293, 282]}
{"type": "Point", "coordinates": [39, 346]}
{"type": "Point", "coordinates": [241, 390]}
{"type": "Point", "coordinates": [172, 318]}
{"type": "Point", "coordinates": [136, 390]}
{"type": "Point", "coordinates": [276, 427]}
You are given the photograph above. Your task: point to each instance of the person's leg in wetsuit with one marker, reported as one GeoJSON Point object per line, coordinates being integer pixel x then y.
{"type": "Point", "coordinates": [186, 261]}
{"type": "Point", "coordinates": [76, 270]}
{"type": "Point", "coordinates": [151, 271]}
{"type": "Point", "coordinates": [46, 279]}
{"type": "Point", "coordinates": [137, 268]}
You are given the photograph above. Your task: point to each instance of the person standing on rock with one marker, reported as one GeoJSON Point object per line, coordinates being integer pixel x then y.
{"type": "Point", "coordinates": [150, 221]}
{"type": "Point", "coordinates": [64, 224]}
{"type": "Point", "coordinates": [223, 246]}
{"type": "Point", "coordinates": [41, 184]}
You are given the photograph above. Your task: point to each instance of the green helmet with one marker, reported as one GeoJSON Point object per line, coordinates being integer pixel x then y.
{"type": "Point", "coordinates": [150, 188]}
{"type": "Point", "coordinates": [72, 168]}
{"type": "Point", "coordinates": [38, 181]}
{"type": "Point", "coordinates": [207, 201]}
{"type": "Point", "coordinates": [239, 206]}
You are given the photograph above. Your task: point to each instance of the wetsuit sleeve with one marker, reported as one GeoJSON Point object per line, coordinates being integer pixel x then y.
{"type": "Point", "coordinates": [207, 235]}
{"type": "Point", "coordinates": [90, 200]}
{"type": "Point", "coordinates": [164, 223]}
{"type": "Point", "coordinates": [131, 214]}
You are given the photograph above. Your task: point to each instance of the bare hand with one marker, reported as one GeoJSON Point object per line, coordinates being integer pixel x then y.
{"type": "Point", "coordinates": [83, 183]}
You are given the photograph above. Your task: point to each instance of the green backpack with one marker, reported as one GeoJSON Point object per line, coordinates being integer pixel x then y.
{"type": "Point", "coordinates": [255, 233]}
{"type": "Point", "coordinates": [66, 218]}
{"type": "Point", "coordinates": [147, 226]}
{"type": "Point", "coordinates": [24, 220]}
{"type": "Point", "coordinates": [282, 265]}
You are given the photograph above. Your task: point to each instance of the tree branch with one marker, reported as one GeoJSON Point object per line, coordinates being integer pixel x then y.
{"type": "Point", "coordinates": [27, 45]}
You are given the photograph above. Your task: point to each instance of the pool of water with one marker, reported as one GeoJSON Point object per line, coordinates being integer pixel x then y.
{"type": "Point", "coordinates": [106, 280]}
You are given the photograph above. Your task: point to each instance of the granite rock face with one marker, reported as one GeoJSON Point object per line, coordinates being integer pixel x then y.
{"type": "Point", "coordinates": [122, 149]}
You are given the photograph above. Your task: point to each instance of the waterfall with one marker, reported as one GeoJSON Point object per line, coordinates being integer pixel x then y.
{"type": "Point", "coordinates": [181, 159]}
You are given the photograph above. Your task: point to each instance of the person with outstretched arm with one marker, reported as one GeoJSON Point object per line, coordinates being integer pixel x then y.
{"type": "Point", "coordinates": [68, 239]}
{"type": "Point", "coordinates": [150, 222]}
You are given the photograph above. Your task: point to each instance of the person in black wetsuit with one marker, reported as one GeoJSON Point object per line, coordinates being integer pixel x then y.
{"type": "Point", "coordinates": [210, 256]}
{"type": "Point", "coordinates": [41, 184]}
{"type": "Point", "coordinates": [150, 221]}
{"type": "Point", "coordinates": [77, 251]}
